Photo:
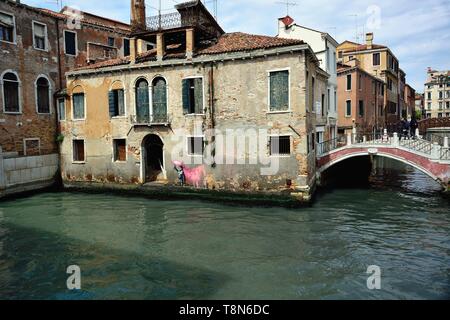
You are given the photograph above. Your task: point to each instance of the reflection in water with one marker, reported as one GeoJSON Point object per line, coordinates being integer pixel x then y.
{"type": "Point", "coordinates": [137, 248]}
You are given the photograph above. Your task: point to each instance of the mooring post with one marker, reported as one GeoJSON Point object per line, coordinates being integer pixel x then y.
{"type": "Point", "coordinates": [2, 172]}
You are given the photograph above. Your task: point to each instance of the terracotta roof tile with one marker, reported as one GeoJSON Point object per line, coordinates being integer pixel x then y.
{"type": "Point", "coordinates": [107, 63]}
{"type": "Point", "coordinates": [238, 41]}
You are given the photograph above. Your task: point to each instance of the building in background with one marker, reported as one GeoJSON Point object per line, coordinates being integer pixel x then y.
{"type": "Point", "coordinates": [420, 105]}
{"type": "Point", "coordinates": [127, 118]}
{"type": "Point", "coordinates": [361, 96]}
{"type": "Point", "coordinates": [37, 47]}
{"type": "Point", "coordinates": [324, 46]}
{"type": "Point", "coordinates": [380, 62]}
{"type": "Point", "coordinates": [437, 94]}
{"type": "Point", "coordinates": [410, 102]}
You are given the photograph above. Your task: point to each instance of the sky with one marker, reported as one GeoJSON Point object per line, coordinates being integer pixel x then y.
{"type": "Point", "coordinates": [417, 32]}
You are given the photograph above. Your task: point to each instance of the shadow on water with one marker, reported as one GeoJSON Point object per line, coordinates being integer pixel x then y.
{"type": "Point", "coordinates": [28, 272]}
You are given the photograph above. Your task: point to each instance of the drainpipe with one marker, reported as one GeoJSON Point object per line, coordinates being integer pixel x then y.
{"type": "Point", "coordinates": [211, 113]}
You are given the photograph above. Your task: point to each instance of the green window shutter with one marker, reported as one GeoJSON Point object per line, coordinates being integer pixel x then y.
{"type": "Point", "coordinates": [142, 97]}
{"type": "Point", "coordinates": [279, 91]}
{"type": "Point", "coordinates": [186, 97]}
{"type": "Point", "coordinates": [112, 104]}
{"type": "Point", "coordinates": [160, 101]}
{"type": "Point", "coordinates": [121, 102]}
{"type": "Point", "coordinates": [198, 89]}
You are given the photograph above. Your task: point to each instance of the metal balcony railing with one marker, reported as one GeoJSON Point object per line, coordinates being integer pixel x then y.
{"type": "Point", "coordinates": [169, 21]}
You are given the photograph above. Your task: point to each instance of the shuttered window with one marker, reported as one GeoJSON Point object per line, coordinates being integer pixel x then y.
{"type": "Point", "coordinates": [78, 106]}
{"type": "Point", "coordinates": [6, 27]}
{"type": "Point", "coordinates": [142, 101]}
{"type": "Point", "coordinates": [43, 95]}
{"type": "Point", "coordinates": [11, 92]}
{"type": "Point", "coordinates": [120, 148]}
{"type": "Point", "coordinates": [279, 91]}
{"type": "Point", "coordinates": [159, 101]}
{"type": "Point", "coordinates": [280, 146]}
{"type": "Point", "coordinates": [116, 103]}
{"type": "Point", "coordinates": [40, 36]}
{"type": "Point", "coordinates": [78, 151]}
{"type": "Point", "coordinates": [192, 96]}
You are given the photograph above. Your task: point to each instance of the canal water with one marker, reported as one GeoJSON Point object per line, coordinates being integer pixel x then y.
{"type": "Point", "coordinates": [134, 248]}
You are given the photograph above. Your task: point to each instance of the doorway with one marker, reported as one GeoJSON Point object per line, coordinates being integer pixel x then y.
{"type": "Point", "coordinates": [153, 158]}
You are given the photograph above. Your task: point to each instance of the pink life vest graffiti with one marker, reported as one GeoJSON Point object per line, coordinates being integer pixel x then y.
{"type": "Point", "coordinates": [194, 176]}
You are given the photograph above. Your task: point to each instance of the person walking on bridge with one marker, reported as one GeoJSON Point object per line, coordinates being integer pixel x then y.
{"type": "Point", "coordinates": [413, 127]}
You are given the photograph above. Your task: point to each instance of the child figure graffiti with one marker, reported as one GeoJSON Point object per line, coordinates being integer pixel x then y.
{"type": "Point", "coordinates": [181, 175]}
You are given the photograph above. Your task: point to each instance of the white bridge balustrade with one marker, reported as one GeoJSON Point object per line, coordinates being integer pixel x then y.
{"type": "Point", "coordinates": [431, 156]}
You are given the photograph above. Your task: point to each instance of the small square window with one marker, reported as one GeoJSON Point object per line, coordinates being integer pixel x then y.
{"type": "Point", "coordinates": [32, 147]}
{"type": "Point", "coordinates": [111, 41]}
{"type": "Point", "coordinates": [196, 146]}
{"type": "Point", "coordinates": [7, 26]}
{"type": "Point", "coordinates": [120, 150]}
{"type": "Point", "coordinates": [78, 151]}
{"type": "Point", "coordinates": [39, 36]}
{"type": "Point", "coordinates": [280, 146]}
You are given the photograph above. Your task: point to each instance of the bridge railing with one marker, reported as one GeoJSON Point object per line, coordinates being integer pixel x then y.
{"type": "Point", "coordinates": [418, 145]}
{"type": "Point", "coordinates": [373, 138]}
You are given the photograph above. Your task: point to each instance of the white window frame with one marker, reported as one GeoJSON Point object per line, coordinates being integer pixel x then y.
{"type": "Point", "coordinates": [73, 106]}
{"type": "Point", "coordinates": [19, 91]}
{"type": "Point", "coordinates": [33, 22]}
{"type": "Point", "coordinates": [291, 146]}
{"type": "Point", "coordinates": [114, 151]}
{"type": "Point", "coordinates": [31, 139]}
{"type": "Point", "coordinates": [289, 110]}
{"type": "Point", "coordinates": [15, 28]}
{"type": "Point", "coordinates": [124, 99]}
{"type": "Point", "coordinates": [187, 146]}
{"type": "Point", "coordinates": [59, 111]}
{"type": "Point", "coordinates": [76, 43]}
{"type": "Point", "coordinates": [84, 148]}
{"type": "Point", "coordinates": [49, 95]}
{"type": "Point", "coordinates": [203, 92]}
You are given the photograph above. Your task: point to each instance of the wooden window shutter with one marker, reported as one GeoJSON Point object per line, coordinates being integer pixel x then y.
{"type": "Point", "coordinates": [186, 97]}
{"type": "Point", "coordinates": [198, 89]}
{"type": "Point", "coordinates": [279, 91]}
{"type": "Point", "coordinates": [112, 104]}
{"type": "Point", "coordinates": [121, 102]}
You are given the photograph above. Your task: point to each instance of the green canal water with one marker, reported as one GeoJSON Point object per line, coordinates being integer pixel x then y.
{"type": "Point", "coordinates": [135, 248]}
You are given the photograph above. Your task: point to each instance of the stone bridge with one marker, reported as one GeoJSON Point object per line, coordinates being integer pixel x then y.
{"type": "Point", "coordinates": [431, 158]}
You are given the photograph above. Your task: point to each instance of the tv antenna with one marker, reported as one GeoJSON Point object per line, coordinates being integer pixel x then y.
{"type": "Point", "coordinates": [57, 3]}
{"type": "Point", "coordinates": [287, 4]}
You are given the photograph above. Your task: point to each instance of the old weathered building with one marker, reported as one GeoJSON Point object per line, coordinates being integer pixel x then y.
{"type": "Point", "coordinates": [437, 94]}
{"type": "Point", "coordinates": [236, 109]}
{"type": "Point", "coordinates": [37, 47]}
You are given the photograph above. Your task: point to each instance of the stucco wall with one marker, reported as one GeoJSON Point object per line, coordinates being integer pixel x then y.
{"type": "Point", "coordinates": [240, 101]}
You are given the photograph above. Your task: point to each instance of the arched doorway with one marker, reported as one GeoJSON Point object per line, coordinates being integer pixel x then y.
{"type": "Point", "coordinates": [153, 159]}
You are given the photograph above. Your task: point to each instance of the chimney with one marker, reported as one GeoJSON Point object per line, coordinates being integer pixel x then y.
{"type": "Point", "coordinates": [369, 40]}
{"type": "Point", "coordinates": [138, 18]}
{"type": "Point", "coordinates": [190, 43]}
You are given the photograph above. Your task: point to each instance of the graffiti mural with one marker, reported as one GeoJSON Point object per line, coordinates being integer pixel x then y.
{"type": "Point", "coordinates": [191, 176]}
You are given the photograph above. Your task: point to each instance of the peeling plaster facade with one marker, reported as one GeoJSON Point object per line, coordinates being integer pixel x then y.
{"type": "Point", "coordinates": [236, 90]}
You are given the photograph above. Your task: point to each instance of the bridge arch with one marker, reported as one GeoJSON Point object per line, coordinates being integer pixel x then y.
{"type": "Point", "coordinates": [365, 153]}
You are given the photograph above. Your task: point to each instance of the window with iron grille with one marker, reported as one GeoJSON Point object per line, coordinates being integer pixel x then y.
{"type": "Point", "coordinates": [6, 27]}
{"type": "Point", "coordinates": [11, 93]}
{"type": "Point", "coordinates": [196, 146]}
{"type": "Point", "coordinates": [39, 36]}
{"type": "Point", "coordinates": [43, 95]}
{"type": "Point", "coordinates": [280, 146]}
{"type": "Point", "coordinates": [78, 151]}
{"type": "Point", "coordinates": [192, 96]}
{"type": "Point", "coordinates": [120, 150]}
{"type": "Point", "coordinates": [279, 90]}
{"type": "Point", "coordinates": [116, 103]}
{"type": "Point", "coordinates": [32, 147]}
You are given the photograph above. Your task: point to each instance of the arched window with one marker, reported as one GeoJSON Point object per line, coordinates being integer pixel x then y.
{"type": "Point", "coordinates": [43, 95]}
{"type": "Point", "coordinates": [142, 101]}
{"type": "Point", "coordinates": [11, 93]}
{"type": "Point", "coordinates": [159, 100]}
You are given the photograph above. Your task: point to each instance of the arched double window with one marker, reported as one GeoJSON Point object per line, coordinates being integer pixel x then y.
{"type": "Point", "coordinates": [43, 95]}
{"type": "Point", "coordinates": [11, 97]}
{"type": "Point", "coordinates": [159, 100]}
{"type": "Point", "coordinates": [142, 101]}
